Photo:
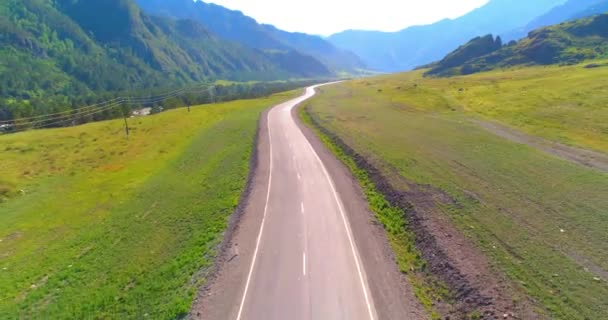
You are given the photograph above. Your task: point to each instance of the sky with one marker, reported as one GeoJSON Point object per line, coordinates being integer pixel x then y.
{"type": "Point", "coordinates": [325, 17]}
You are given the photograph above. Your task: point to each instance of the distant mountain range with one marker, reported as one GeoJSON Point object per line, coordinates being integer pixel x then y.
{"type": "Point", "coordinates": [235, 26]}
{"type": "Point", "coordinates": [67, 48]}
{"type": "Point", "coordinates": [565, 43]}
{"type": "Point", "coordinates": [74, 47]}
{"type": "Point", "coordinates": [419, 45]}
{"type": "Point", "coordinates": [572, 9]}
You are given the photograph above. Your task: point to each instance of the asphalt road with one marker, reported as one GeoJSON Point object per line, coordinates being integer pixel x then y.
{"type": "Point", "coordinates": [305, 264]}
{"type": "Point", "coordinates": [293, 253]}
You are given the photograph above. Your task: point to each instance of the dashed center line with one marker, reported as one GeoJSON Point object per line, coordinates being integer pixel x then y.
{"type": "Point", "coordinates": [304, 263]}
{"type": "Point", "coordinates": [302, 207]}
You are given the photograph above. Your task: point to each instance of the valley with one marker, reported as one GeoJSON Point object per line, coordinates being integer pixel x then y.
{"type": "Point", "coordinates": [183, 159]}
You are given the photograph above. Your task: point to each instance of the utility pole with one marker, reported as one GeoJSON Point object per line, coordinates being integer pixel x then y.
{"type": "Point", "coordinates": [126, 127]}
{"type": "Point", "coordinates": [124, 115]}
{"type": "Point", "coordinates": [188, 107]}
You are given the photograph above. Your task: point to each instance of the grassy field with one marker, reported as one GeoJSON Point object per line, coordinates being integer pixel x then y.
{"type": "Point", "coordinates": [97, 226]}
{"type": "Point", "coordinates": [565, 104]}
{"type": "Point", "coordinates": [542, 220]}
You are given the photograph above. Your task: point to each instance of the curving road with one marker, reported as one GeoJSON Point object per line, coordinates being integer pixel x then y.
{"type": "Point", "coordinates": [306, 265]}
{"type": "Point", "coordinates": [294, 255]}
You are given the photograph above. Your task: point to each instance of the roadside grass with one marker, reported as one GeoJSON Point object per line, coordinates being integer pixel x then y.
{"type": "Point", "coordinates": [542, 220]}
{"type": "Point", "coordinates": [565, 104]}
{"type": "Point", "coordinates": [97, 226]}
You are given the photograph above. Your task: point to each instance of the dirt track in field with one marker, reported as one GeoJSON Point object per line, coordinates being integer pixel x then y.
{"type": "Point", "coordinates": [588, 158]}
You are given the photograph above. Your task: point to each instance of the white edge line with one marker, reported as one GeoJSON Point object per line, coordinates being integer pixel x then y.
{"type": "Point", "coordinates": [257, 245]}
{"type": "Point", "coordinates": [304, 262]}
{"type": "Point", "coordinates": [348, 232]}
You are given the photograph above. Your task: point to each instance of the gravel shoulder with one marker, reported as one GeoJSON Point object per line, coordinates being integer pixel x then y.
{"type": "Point", "coordinates": [219, 297]}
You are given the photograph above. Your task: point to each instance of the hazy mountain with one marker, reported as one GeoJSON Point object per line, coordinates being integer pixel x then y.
{"type": "Point", "coordinates": [414, 46]}
{"type": "Point", "coordinates": [565, 43]}
{"type": "Point", "coordinates": [72, 47]}
{"type": "Point", "coordinates": [572, 9]}
{"type": "Point", "coordinates": [236, 26]}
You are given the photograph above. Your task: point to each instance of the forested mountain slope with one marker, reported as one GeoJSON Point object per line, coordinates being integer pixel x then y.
{"type": "Point", "coordinates": [236, 26]}
{"type": "Point", "coordinates": [74, 47]}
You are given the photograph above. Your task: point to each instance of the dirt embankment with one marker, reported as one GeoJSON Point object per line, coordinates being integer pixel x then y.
{"type": "Point", "coordinates": [478, 290]}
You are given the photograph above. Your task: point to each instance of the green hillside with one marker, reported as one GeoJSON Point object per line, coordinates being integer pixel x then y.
{"type": "Point", "coordinates": [566, 43]}
{"type": "Point", "coordinates": [97, 226]}
{"type": "Point", "coordinates": [65, 48]}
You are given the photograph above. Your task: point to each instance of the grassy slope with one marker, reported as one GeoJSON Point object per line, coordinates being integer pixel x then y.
{"type": "Point", "coordinates": [113, 228]}
{"type": "Point", "coordinates": [511, 198]}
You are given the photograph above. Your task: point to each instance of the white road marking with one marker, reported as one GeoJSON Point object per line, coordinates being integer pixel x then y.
{"type": "Point", "coordinates": [299, 176]}
{"type": "Point", "coordinates": [348, 232]}
{"type": "Point", "coordinates": [257, 245]}
{"type": "Point", "coordinates": [302, 207]}
{"type": "Point", "coordinates": [304, 263]}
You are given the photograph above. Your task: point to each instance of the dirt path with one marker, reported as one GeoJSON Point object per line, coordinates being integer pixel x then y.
{"type": "Point", "coordinates": [588, 158]}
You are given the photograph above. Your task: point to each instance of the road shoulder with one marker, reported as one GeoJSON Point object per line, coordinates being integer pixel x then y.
{"type": "Point", "coordinates": [218, 298]}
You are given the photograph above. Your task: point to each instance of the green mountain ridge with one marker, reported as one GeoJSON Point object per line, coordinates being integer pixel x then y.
{"type": "Point", "coordinates": [75, 47]}
{"type": "Point", "coordinates": [565, 43]}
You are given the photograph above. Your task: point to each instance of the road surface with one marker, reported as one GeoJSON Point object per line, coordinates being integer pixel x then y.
{"type": "Point", "coordinates": [307, 265]}
{"type": "Point", "coordinates": [296, 250]}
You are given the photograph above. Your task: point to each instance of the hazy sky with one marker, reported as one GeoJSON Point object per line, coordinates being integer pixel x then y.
{"type": "Point", "coordinates": [325, 17]}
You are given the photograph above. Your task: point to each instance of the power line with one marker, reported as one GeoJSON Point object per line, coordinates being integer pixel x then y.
{"type": "Point", "coordinates": [71, 115]}
{"type": "Point", "coordinates": [100, 104]}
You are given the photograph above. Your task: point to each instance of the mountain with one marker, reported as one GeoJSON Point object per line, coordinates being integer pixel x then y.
{"type": "Point", "coordinates": [475, 48]}
{"type": "Point", "coordinates": [73, 47]}
{"type": "Point", "coordinates": [418, 45]}
{"type": "Point", "coordinates": [236, 26]}
{"type": "Point", "coordinates": [565, 43]}
{"type": "Point", "coordinates": [572, 9]}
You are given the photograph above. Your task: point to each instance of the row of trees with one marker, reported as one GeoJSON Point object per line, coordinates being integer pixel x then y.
{"type": "Point", "coordinates": [60, 111]}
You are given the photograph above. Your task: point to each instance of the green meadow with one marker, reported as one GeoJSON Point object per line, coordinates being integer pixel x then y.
{"type": "Point", "coordinates": [97, 226]}
{"type": "Point", "coordinates": [565, 104]}
{"type": "Point", "coordinates": [541, 220]}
